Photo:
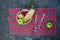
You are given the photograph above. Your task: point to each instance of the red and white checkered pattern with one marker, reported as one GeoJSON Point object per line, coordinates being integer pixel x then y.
{"type": "Point", "coordinates": [16, 29]}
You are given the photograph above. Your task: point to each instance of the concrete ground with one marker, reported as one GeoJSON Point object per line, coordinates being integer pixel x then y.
{"type": "Point", "coordinates": [4, 27]}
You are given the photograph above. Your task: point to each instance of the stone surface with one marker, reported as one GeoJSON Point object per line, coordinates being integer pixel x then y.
{"type": "Point", "coordinates": [5, 4]}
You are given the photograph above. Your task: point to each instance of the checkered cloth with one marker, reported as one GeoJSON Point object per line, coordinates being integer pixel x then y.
{"type": "Point", "coordinates": [33, 28]}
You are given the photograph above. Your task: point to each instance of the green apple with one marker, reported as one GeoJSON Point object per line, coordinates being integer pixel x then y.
{"type": "Point", "coordinates": [49, 25]}
{"type": "Point", "coordinates": [21, 21]}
